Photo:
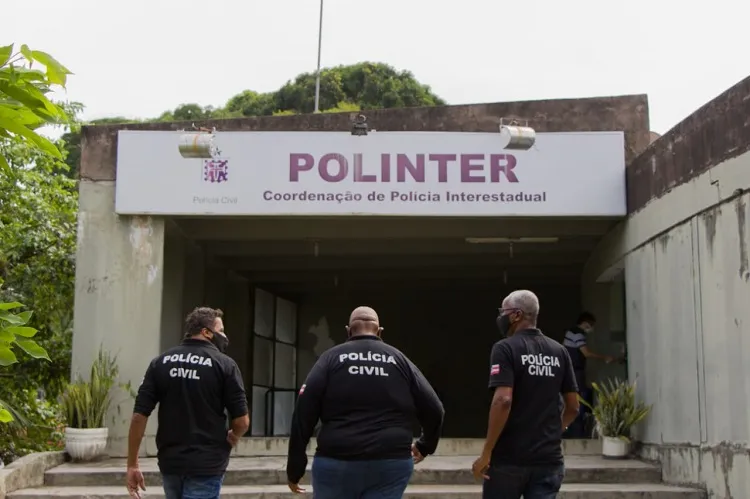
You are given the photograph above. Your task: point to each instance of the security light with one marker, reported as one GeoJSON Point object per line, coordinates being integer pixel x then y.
{"type": "Point", "coordinates": [359, 126]}
{"type": "Point", "coordinates": [198, 144]}
{"type": "Point", "coordinates": [515, 137]}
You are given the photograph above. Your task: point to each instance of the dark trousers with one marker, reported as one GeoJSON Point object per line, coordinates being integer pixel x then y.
{"type": "Point", "coordinates": [376, 479]}
{"type": "Point", "coordinates": [192, 487]}
{"type": "Point", "coordinates": [512, 482]}
{"type": "Point", "coordinates": [577, 428]}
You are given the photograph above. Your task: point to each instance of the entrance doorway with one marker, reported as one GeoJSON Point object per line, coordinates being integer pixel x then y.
{"type": "Point", "coordinates": [436, 283]}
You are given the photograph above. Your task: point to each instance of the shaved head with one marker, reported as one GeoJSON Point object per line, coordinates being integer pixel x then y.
{"type": "Point", "coordinates": [364, 320]}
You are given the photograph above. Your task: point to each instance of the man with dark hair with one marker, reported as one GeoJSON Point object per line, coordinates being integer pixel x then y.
{"type": "Point", "coordinates": [522, 453]}
{"type": "Point", "coordinates": [367, 396]}
{"type": "Point", "coordinates": [193, 384]}
{"type": "Point", "coordinates": [579, 351]}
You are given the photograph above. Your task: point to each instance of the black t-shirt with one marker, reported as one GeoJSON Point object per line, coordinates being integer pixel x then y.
{"type": "Point", "coordinates": [539, 370]}
{"type": "Point", "coordinates": [367, 395]}
{"type": "Point", "coordinates": [193, 384]}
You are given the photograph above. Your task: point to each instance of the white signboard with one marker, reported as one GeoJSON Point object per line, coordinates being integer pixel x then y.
{"type": "Point", "coordinates": [383, 173]}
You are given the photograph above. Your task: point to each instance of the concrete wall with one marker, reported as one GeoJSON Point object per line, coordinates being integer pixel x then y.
{"type": "Point", "coordinates": [118, 296]}
{"type": "Point", "coordinates": [684, 251]}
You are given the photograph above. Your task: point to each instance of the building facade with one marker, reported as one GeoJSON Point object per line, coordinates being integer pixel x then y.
{"type": "Point", "coordinates": [667, 275]}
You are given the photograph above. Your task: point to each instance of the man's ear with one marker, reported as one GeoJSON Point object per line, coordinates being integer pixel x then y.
{"type": "Point", "coordinates": [380, 331]}
{"type": "Point", "coordinates": [348, 330]}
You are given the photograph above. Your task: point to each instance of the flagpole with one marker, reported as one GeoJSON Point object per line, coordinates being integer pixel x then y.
{"type": "Point", "coordinates": [317, 73]}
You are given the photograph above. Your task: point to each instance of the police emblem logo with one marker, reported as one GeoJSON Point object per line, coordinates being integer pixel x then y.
{"type": "Point", "coordinates": [216, 171]}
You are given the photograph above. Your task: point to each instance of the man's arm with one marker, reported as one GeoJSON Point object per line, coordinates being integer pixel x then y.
{"type": "Point", "coordinates": [569, 390]}
{"type": "Point", "coordinates": [235, 401]}
{"type": "Point", "coordinates": [145, 403]}
{"type": "Point", "coordinates": [305, 417]}
{"type": "Point", "coordinates": [501, 381]}
{"type": "Point", "coordinates": [590, 354]}
{"type": "Point", "coordinates": [430, 412]}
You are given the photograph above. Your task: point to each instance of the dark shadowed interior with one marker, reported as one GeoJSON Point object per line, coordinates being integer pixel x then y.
{"type": "Point", "coordinates": [436, 284]}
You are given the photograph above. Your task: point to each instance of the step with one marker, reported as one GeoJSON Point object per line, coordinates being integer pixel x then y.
{"type": "Point", "coordinates": [434, 470]}
{"type": "Point", "coordinates": [277, 446]}
{"type": "Point", "coordinates": [569, 491]}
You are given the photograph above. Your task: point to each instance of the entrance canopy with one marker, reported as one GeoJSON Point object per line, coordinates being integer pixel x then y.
{"type": "Point", "coordinates": [423, 174]}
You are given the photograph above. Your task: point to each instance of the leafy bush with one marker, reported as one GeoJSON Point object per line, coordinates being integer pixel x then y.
{"type": "Point", "coordinates": [37, 427]}
{"type": "Point", "coordinates": [616, 410]}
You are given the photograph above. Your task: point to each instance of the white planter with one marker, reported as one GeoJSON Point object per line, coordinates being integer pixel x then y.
{"type": "Point", "coordinates": [615, 448]}
{"type": "Point", "coordinates": [86, 444]}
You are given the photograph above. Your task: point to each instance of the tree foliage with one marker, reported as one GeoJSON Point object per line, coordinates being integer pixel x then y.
{"type": "Point", "coordinates": [24, 105]}
{"type": "Point", "coordinates": [34, 210]}
{"type": "Point", "coordinates": [362, 86]}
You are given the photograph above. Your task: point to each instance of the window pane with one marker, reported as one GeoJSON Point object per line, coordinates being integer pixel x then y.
{"type": "Point", "coordinates": [262, 362]}
{"type": "Point", "coordinates": [286, 321]}
{"type": "Point", "coordinates": [258, 425]}
{"type": "Point", "coordinates": [283, 409]}
{"type": "Point", "coordinates": [286, 366]}
{"type": "Point", "coordinates": [264, 305]}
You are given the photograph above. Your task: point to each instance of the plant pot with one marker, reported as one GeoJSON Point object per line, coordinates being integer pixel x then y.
{"type": "Point", "coordinates": [615, 448]}
{"type": "Point", "coordinates": [86, 444]}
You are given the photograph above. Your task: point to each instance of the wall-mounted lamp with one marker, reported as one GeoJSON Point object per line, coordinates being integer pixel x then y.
{"type": "Point", "coordinates": [199, 144]}
{"type": "Point", "coordinates": [359, 126]}
{"type": "Point", "coordinates": [516, 137]}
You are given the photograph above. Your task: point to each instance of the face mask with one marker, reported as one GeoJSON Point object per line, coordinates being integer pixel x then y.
{"type": "Point", "coordinates": [220, 341]}
{"type": "Point", "coordinates": [503, 324]}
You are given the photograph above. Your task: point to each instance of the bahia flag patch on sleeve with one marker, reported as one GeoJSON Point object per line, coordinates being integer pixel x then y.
{"type": "Point", "coordinates": [302, 389]}
{"type": "Point", "coordinates": [495, 369]}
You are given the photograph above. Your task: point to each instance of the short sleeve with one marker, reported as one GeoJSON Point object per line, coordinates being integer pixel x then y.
{"type": "Point", "coordinates": [574, 340]}
{"type": "Point", "coordinates": [148, 393]}
{"type": "Point", "coordinates": [501, 365]}
{"type": "Point", "coordinates": [235, 399]}
{"type": "Point", "coordinates": [569, 384]}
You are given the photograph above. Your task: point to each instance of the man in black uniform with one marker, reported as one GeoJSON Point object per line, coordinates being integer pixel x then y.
{"type": "Point", "coordinates": [523, 451]}
{"type": "Point", "coordinates": [367, 396]}
{"type": "Point", "coordinates": [194, 384]}
{"type": "Point", "coordinates": [579, 351]}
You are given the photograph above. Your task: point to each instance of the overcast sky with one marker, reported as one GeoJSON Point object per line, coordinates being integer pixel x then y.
{"type": "Point", "coordinates": [138, 58]}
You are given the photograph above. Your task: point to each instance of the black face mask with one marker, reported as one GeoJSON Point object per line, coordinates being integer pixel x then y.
{"type": "Point", "coordinates": [503, 324]}
{"type": "Point", "coordinates": [220, 341]}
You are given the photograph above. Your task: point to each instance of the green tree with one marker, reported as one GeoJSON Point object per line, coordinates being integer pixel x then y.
{"type": "Point", "coordinates": [24, 107]}
{"type": "Point", "coordinates": [38, 207]}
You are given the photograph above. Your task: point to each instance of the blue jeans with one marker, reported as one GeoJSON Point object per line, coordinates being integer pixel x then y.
{"type": "Point", "coordinates": [376, 479]}
{"type": "Point", "coordinates": [512, 482]}
{"type": "Point", "coordinates": [192, 487]}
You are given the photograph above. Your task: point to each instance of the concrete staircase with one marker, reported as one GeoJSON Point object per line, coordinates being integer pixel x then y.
{"type": "Point", "coordinates": [446, 475]}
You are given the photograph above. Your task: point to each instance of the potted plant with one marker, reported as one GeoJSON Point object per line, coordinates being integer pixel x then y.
{"type": "Point", "coordinates": [85, 405]}
{"type": "Point", "coordinates": [616, 411]}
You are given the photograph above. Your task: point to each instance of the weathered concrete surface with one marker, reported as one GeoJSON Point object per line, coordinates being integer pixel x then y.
{"type": "Point", "coordinates": [684, 252]}
{"type": "Point", "coordinates": [118, 296]}
{"type": "Point", "coordinates": [28, 471]}
{"type": "Point", "coordinates": [569, 491]}
{"type": "Point", "coordinates": [713, 134]}
{"type": "Point", "coordinates": [454, 470]}
{"type": "Point", "coordinates": [628, 113]}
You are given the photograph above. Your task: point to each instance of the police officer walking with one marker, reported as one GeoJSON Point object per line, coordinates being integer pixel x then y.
{"type": "Point", "coordinates": [522, 453]}
{"type": "Point", "coordinates": [193, 384]}
{"type": "Point", "coordinates": [367, 395]}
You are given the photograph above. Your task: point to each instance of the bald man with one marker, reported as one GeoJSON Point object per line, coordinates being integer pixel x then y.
{"type": "Point", "coordinates": [522, 453]}
{"type": "Point", "coordinates": [367, 395]}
